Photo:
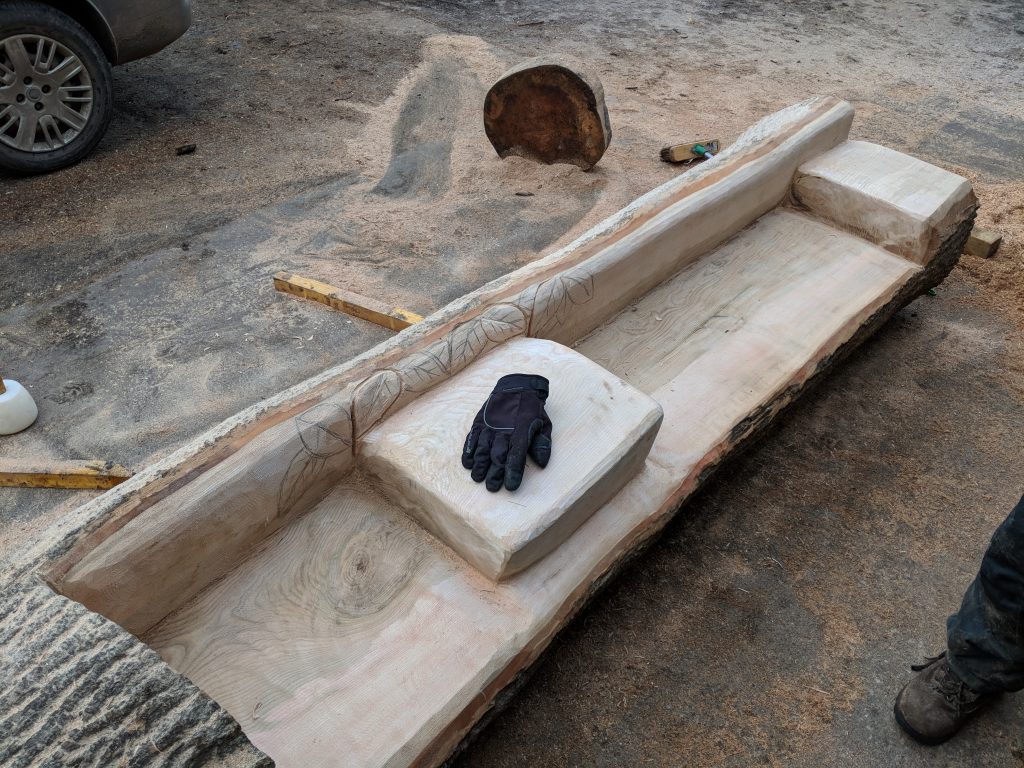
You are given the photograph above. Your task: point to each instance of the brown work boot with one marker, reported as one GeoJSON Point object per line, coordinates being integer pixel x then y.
{"type": "Point", "coordinates": [936, 703]}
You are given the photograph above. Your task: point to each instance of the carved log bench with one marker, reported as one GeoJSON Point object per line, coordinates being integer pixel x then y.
{"type": "Point", "coordinates": [269, 564]}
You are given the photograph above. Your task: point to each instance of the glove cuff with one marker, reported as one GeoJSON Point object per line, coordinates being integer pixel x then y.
{"type": "Point", "coordinates": [523, 381]}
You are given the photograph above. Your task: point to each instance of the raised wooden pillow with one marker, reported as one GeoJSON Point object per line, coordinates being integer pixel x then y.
{"type": "Point", "coordinates": [903, 204]}
{"type": "Point", "coordinates": [603, 430]}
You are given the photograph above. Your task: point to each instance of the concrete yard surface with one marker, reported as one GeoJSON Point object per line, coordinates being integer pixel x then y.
{"type": "Point", "coordinates": [776, 618]}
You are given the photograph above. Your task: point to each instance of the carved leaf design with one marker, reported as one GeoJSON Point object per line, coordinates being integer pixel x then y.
{"type": "Point", "coordinates": [374, 397]}
{"type": "Point", "coordinates": [474, 337]}
{"type": "Point", "coordinates": [302, 471]}
{"type": "Point", "coordinates": [325, 429]}
{"type": "Point", "coordinates": [461, 346]}
{"type": "Point", "coordinates": [502, 322]}
{"type": "Point", "coordinates": [426, 368]}
{"type": "Point", "coordinates": [556, 297]}
{"type": "Point", "coordinates": [525, 301]}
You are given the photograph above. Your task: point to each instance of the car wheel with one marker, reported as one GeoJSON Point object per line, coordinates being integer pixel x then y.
{"type": "Point", "coordinates": [56, 97]}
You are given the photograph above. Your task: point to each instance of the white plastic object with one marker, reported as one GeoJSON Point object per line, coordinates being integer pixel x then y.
{"type": "Point", "coordinates": [17, 408]}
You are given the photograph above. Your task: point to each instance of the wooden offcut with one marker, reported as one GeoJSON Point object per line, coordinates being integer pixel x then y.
{"type": "Point", "coordinates": [78, 475]}
{"type": "Point", "coordinates": [350, 303]}
{"type": "Point", "coordinates": [983, 243]}
{"type": "Point", "coordinates": [548, 111]}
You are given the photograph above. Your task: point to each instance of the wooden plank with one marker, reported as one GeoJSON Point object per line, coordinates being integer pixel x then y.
{"type": "Point", "coordinates": [983, 242]}
{"type": "Point", "coordinates": [350, 303]}
{"type": "Point", "coordinates": [81, 475]}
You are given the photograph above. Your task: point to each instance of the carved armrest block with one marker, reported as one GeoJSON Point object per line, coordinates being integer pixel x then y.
{"type": "Point", "coordinates": [902, 204]}
{"type": "Point", "coordinates": [603, 430]}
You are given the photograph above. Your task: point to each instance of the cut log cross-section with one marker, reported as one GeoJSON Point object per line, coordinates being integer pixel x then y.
{"type": "Point", "coordinates": [548, 111]}
{"type": "Point", "coordinates": [317, 564]}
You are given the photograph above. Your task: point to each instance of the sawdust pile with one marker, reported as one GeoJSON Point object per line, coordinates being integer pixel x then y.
{"type": "Point", "coordinates": [1000, 278]}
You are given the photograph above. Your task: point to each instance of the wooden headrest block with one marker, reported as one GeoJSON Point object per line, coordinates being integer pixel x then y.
{"type": "Point", "coordinates": [896, 201]}
{"type": "Point", "coordinates": [603, 430]}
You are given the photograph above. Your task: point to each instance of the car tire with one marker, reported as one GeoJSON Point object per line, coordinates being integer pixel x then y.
{"type": "Point", "coordinates": [50, 116]}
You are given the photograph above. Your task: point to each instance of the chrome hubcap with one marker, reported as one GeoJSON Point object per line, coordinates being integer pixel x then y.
{"type": "Point", "coordinates": [45, 94]}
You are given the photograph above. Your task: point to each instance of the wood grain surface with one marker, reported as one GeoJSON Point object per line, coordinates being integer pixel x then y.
{"type": "Point", "coordinates": [548, 110]}
{"type": "Point", "coordinates": [354, 636]}
{"type": "Point", "coordinates": [195, 535]}
{"type": "Point", "coordinates": [563, 295]}
{"type": "Point", "coordinates": [778, 283]}
{"type": "Point", "coordinates": [337, 630]}
{"type": "Point", "coordinates": [338, 640]}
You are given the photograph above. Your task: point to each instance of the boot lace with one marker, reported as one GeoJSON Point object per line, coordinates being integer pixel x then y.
{"type": "Point", "coordinates": [956, 693]}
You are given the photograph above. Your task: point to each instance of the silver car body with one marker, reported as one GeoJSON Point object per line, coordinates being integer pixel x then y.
{"type": "Point", "coordinates": [130, 29]}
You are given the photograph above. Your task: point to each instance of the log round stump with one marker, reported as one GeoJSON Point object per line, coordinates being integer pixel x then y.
{"type": "Point", "coordinates": [546, 111]}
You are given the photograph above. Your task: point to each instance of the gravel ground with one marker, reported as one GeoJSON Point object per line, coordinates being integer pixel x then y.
{"type": "Point", "coordinates": [775, 620]}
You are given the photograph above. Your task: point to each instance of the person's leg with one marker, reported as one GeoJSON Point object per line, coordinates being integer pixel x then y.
{"type": "Point", "coordinates": [985, 645]}
{"type": "Point", "coordinates": [985, 637]}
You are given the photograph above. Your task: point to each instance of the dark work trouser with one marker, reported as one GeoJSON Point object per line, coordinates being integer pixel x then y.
{"type": "Point", "coordinates": [986, 637]}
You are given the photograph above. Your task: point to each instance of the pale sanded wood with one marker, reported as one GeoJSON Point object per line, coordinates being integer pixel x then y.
{"type": "Point", "coordinates": [782, 270]}
{"type": "Point", "coordinates": [211, 502]}
{"type": "Point", "coordinates": [602, 432]}
{"type": "Point", "coordinates": [325, 643]}
{"type": "Point", "coordinates": [983, 242]}
{"type": "Point", "coordinates": [196, 534]}
{"type": "Point", "coordinates": [765, 155]}
{"type": "Point", "coordinates": [351, 627]}
{"type": "Point", "coordinates": [578, 299]}
{"type": "Point", "coordinates": [899, 202]}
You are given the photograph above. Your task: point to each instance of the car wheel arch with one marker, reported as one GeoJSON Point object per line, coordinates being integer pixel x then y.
{"type": "Point", "coordinates": [88, 15]}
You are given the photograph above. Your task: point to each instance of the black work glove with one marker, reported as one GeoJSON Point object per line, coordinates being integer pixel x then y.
{"type": "Point", "coordinates": [511, 424]}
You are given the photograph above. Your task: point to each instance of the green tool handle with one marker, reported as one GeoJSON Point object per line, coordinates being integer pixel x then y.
{"type": "Point", "coordinates": [701, 150]}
